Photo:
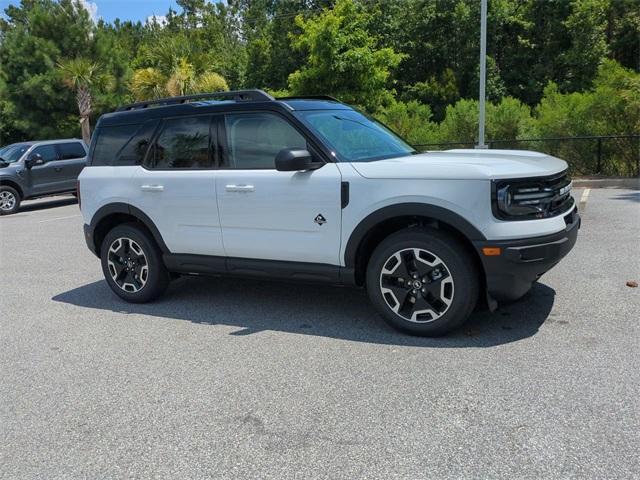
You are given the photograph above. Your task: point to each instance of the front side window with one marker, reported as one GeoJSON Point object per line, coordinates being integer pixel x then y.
{"type": "Point", "coordinates": [254, 139]}
{"type": "Point", "coordinates": [71, 150]}
{"type": "Point", "coordinates": [354, 137]}
{"type": "Point", "coordinates": [47, 152]}
{"type": "Point", "coordinates": [183, 143]}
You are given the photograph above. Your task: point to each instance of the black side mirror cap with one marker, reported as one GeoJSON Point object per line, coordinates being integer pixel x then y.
{"type": "Point", "coordinates": [34, 159]}
{"type": "Point", "coordinates": [295, 160]}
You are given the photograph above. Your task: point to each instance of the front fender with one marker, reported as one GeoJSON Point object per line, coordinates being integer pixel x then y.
{"type": "Point", "coordinates": [434, 212]}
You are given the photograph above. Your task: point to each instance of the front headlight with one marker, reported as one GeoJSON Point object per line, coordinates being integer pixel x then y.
{"type": "Point", "coordinates": [531, 198]}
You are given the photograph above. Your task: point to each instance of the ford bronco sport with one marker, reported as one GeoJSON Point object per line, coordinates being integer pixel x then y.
{"type": "Point", "coordinates": [310, 189]}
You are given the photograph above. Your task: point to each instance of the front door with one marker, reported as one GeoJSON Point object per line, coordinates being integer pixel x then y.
{"type": "Point", "coordinates": [267, 214]}
{"type": "Point", "coordinates": [177, 188]}
{"type": "Point", "coordinates": [45, 178]}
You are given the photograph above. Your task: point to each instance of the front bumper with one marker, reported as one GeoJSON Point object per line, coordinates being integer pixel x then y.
{"type": "Point", "coordinates": [523, 261]}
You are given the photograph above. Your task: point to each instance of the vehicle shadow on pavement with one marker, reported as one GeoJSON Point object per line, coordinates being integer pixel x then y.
{"type": "Point", "coordinates": [59, 202]}
{"type": "Point", "coordinates": [632, 197]}
{"type": "Point", "coordinates": [325, 311]}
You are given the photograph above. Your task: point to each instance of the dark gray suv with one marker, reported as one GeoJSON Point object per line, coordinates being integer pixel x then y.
{"type": "Point", "coordinates": [37, 169]}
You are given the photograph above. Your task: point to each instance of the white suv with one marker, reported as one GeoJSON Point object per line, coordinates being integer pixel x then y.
{"type": "Point", "coordinates": [309, 189]}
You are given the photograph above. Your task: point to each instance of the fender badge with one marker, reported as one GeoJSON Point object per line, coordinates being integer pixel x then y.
{"type": "Point", "coordinates": [320, 220]}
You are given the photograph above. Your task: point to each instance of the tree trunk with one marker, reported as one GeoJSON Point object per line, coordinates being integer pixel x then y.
{"type": "Point", "coordinates": [84, 107]}
{"type": "Point", "coordinates": [86, 130]}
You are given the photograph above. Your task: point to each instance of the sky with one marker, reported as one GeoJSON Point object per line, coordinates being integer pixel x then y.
{"type": "Point", "coordinates": [109, 10]}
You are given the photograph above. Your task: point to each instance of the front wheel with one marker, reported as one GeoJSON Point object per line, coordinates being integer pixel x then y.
{"type": "Point", "coordinates": [9, 200]}
{"type": "Point", "coordinates": [423, 281]}
{"type": "Point", "coordinates": [132, 264]}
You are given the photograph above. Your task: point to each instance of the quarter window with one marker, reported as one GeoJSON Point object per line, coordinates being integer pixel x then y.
{"type": "Point", "coordinates": [109, 141]}
{"type": "Point", "coordinates": [254, 140]}
{"type": "Point", "coordinates": [71, 150]}
{"type": "Point", "coordinates": [47, 152]}
{"type": "Point", "coordinates": [183, 144]}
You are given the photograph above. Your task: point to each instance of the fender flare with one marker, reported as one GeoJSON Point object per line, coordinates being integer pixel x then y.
{"type": "Point", "coordinates": [403, 210]}
{"type": "Point", "coordinates": [13, 183]}
{"type": "Point", "coordinates": [120, 207]}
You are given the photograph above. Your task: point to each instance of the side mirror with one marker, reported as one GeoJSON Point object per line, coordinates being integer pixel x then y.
{"type": "Point", "coordinates": [33, 160]}
{"type": "Point", "coordinates": [295, 160]}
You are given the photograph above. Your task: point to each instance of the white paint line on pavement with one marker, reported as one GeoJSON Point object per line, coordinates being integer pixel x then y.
{"type": "Point", "coordinates": [58, 218]}
{"type": "Point", "coordinates": [583, 199]}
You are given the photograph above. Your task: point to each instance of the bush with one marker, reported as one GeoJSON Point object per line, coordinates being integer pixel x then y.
{"type": "Point", "coordinates": [411, 120]}
{"type": "Point", "coordinates": [610, 107]}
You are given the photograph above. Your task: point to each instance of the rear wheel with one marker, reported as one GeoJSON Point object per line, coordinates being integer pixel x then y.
{"type": "Point", "coordinates": [9, 200]}
{"type": "Point", "coordinates": [132, 264]}
{"type": "Point", "coordinates": [423, 281]}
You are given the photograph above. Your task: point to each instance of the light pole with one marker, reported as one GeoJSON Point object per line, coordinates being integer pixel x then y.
{"type": "Point", "coordinates": [483, 72]}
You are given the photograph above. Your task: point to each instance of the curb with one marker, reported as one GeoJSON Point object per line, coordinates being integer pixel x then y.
{"type": "Point", "coordinates": [607, 182]}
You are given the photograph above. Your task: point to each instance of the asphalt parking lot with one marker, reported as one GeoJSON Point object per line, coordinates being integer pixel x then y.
{"type": "Point", "coordinates": [245, 379]}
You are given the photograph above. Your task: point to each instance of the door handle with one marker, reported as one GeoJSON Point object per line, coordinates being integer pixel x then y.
{"type": "Point", "coordinates": [152, 188]}
{"type": "Point", "coordinates": [58, 169]}
{"type": "Point", "coordinates": [239, 188]}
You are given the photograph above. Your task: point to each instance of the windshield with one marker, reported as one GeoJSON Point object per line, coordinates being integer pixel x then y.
{"type": "Point", "coordinates": [354, 137]}
{"type": "Point", "coordinates": [12, 153]}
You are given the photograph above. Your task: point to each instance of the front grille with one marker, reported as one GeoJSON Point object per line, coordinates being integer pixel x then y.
{"type": "Point", "coordinates": [532, 198]}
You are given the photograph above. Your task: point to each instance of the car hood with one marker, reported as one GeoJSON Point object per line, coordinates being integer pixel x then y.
{"type": "Point", "coordinates": [464, 165]}
{"type": "Point", "coordinates": [7, 168]}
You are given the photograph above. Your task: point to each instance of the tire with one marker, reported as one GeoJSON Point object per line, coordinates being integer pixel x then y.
{"type": "Point", "coordinates": [423, 281]}
{"type": "Point", "coordinates": [132, 264]}
{"type": "Point", "coordinates": [9, 200]}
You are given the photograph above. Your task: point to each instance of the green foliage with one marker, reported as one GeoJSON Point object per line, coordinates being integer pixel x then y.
{"type": "Point", "coordinates": [412, 63]}
{"type": "Point", "coordinates": [610, 107]}
{"type": "Point", "coordinates": [34, 39]}
{"type": "Point", "coordinates": [436, 92]}
{"type": "Point", "coordinates": [343, 59]}
{"type": "Point", "coordinates": [411, 120]}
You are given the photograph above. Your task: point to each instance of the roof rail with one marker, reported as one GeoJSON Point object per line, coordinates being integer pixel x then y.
{"type": "Point", "coordinates": [310, 97]}
{"type": "Point", "coordinates": [237, 95]}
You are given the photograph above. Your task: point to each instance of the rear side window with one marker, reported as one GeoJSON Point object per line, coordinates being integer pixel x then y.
{"type": "Point", "coordinates": [183, 143]}
{"type": "Point", "coordinates": [136, 148]}
{"type": "Point", "coordinates": [71, 150]}
{"type": "Point", "coordinates": [122, 145]}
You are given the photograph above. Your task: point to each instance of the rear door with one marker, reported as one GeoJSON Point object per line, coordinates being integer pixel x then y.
{"type": "Point", "coordinates": [272, 215]}
{"type": "Point", "coordinates": [44, 178]}
{"type": "Point", "coordinates": [177, 188]}
{"type": "Point", "coordinates": [72, 157]}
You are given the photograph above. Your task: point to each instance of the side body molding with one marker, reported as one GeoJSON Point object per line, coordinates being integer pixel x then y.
{"type": "Point", "coordinates": [407, 210]}
{"type": "Point", "coordinates": [112, 208]}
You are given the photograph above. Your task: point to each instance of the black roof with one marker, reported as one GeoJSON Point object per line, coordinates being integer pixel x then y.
{"type": "Point", "coordinates": [242, 100]}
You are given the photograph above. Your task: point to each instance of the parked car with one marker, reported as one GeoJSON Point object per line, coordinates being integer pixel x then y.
{"type": "Point", "coordinates": [37, 169]}
{"type": "Point", "coordinates": [310, 189]}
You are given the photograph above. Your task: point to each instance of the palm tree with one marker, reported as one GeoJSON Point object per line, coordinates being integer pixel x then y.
{"type": "Point", "coordinates": [81, 76]}
{"type": "Point", "coordinates": [182, 79]}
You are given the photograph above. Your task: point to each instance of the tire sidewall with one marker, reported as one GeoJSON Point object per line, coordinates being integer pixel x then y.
{"type": "Point", "coordinates": [457, 260]}
{"type": "Point", "coordinates": [16, 207]}
{"type": "Point", "coordinates": [158, 277]}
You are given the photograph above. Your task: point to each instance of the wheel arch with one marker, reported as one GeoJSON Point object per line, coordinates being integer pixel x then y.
{"type": "Point", "coordinates": [113, 214]}
{"type": "Point", "coordinates": [378, 225]}
{"type": "Point", "coordinates": [14, 185]}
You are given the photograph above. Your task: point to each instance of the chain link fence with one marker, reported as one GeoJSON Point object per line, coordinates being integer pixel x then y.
{"type": "Point", "coordinates": [610, 155]}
